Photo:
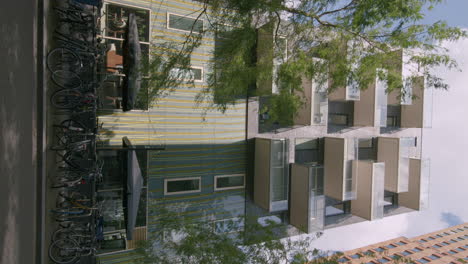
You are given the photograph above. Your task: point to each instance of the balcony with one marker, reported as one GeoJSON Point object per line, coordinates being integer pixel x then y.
{"type": "Point", "coordinates": [315, 93]}
{"type": "Point", "coordinates": [307, 211]}
{"type": "Point", "coordinates": [369, 109]}
{"type": "Point", "coordinates": [410, 107]}
{"type": "Point", "coordinates": [271, 179]}
{"type": "Point", "coordinates": [369, 202]}
{"type": "Point", "coordinates": [417, 196]}
{"type": "Point", "coordinates": [271, 53]}
{"type": "Point", "coordinates": [395, 153]}
{"type": "Point", "coordinates": [340, 171]}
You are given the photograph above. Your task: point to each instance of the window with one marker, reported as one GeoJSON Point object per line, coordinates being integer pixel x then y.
{"type": "Point", "coordinates": [423, 260]}
{"type": "Point", "coordinates": [184, 23]}
{"type": "Point", "coordinates": [383, 260]}
{"type": "Point", "coordinates": [226, 182]}
{"type": "Point", "coordinates": [114, 24]}
{"type": "Point", "coordinates": [465, 246]}
{"type": "Point", "coordinates": [436, 246]}
{"type": "Point", "coordinates": [460, 238]}
{"type": "Point", "coordinates": [401, 243]}
{"type": "Point", "coordinates": [416, 249]}
{"type": "Point", "coordinates": [460, 249]}
{"type": "Point", "coordinates": [343, 259]}
{"type": "Point", "coordinates": [195, 73]}
{"type": "Point", "coordinates": [433, 256]}
{"type": "Point", "coordinates": [355, 256]}
{"type": "Point", "coordinates": [338, 119]}
{"type": "Point", "coordinates": [182, 185]}
{"type": "Point", "coordinates": [453, 240]}
{"type": "Point", "coordinates": [390, 246]}
{"type": "Point", "coordinates": [430, 238]}
{"type": "Point", "coordinates": [445, 243]}
{"type": "Point", "coordinates": [406, 253]}
{"type": "Point", "coordinates": [452, 252]}
{"type": "Point", "coordinates": [438, 235]}
{"type": "Point", "coordinates": [423, 241]}
{"type": "Point", "coordinates": [379, 249]}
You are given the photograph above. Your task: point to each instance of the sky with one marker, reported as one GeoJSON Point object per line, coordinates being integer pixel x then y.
{"type": "Point", "coordinates": [446, 144]}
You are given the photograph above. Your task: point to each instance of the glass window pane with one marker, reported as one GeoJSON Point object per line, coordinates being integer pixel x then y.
{"type": "Point", "coordinates": [185, 23]}
{"type": "Point", "coordinates": [188, 185]}
{"type": "Point", "coordinates": [230, 181]}
{"type": "Point", "coordinates": [117, 20]}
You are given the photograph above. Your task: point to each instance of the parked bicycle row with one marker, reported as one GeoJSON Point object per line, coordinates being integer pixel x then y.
{"type": "Point", "coordinates": [72, 65]}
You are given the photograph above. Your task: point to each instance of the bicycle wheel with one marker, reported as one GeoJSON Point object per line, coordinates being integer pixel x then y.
{"type": "Point", "coordinates": [64, 251]}
{"type": "Point", "coordinates": [63, 59]}
{"type": "Point", "coordinates": [66, 98]}
{"type": "Point", "coordinates": [66, 79]}
{"type": "Point", "coordinates": [63, 233]}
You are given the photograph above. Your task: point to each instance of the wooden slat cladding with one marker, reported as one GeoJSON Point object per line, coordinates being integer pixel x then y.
{"type": "Point", "coordinates": [139, 234]}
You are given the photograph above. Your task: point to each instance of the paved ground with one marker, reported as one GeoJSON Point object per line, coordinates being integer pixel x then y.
{"type": "Point", "coordinates": [20, 129]}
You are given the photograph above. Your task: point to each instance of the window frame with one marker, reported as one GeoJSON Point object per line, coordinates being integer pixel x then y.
{"type": "Point", "coordinates": [167, 180]}
{"type": "Point", "coordinates": [104, 21]}
{"type": "Point", "coordinates": [216, 177]}
{"type": "Point", "coordinates": [106, 38]}
{"type": "Point", "coordinates": [186, 16]}
{"type": "Point", "coordinates": [202, 68]}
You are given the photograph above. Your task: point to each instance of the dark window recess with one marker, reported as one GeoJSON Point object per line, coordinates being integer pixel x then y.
{"type": "Point", "coordinates": [183, 185]}
{"type": "Point", "coordinates": [185, 23]}
{"type": "Point", "coordinates": [229, 182]}
{"type": "Point", "coordinates": [117, 20]}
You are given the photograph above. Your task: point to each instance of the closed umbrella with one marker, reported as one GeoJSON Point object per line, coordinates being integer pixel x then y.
{"type": "Point", "coordinates": [131, 64]}
{"type": "Point", "coordinates": [133, 188]}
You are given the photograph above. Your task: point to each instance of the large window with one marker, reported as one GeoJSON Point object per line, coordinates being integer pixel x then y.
{"type": "Point", "coordinates": [226, 182]}
{"type": "Point", "coordinates": [115, 24]}
{"type": "Point", "coordinates": [195, 73]}
{"type": "Point", "coordinates": [111, 192]}
{"type": "Point", "coordinates": [182, 185]}
{"type": "Point", "coordinates": [184, 23]}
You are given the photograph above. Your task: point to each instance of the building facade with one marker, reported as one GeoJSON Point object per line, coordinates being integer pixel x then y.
{"type": "Point", "coordinates": [352, 155]}
{"type": "Point", "coordinates": [446, 246]}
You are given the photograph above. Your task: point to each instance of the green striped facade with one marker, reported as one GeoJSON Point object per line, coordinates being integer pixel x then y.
{"type": "Point", "coordinates": [198, 143]}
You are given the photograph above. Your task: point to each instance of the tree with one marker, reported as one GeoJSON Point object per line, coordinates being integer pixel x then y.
{"type": "Point", "coordinates": [354, 37]}
{"type": "Point", "coordinates": [239, 241]}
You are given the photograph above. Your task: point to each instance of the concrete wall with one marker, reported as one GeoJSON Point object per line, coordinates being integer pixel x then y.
{"type": "Point", "coordinates": [362, 206]}
{"type": "Point", "coordinates": [411, 199]}
{"type": "Point", "coordinates": [387, 152]}
{"type": "Point", "coordinates": [334, 167]}
{"type": "Point", "coordinates": [262, 173]}
{"type": "Point", "coordinates": [364, 109]}
{"type": "Point", "coordinates": [299, 211]}
{"type": "Point", "coordinates": [412, 116]}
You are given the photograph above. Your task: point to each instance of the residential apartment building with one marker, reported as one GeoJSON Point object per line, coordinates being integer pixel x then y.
{"type": "Point", "coordinates": [338, 165]}
{"type": "Point", "coordinates": [190, 155]}
{"type": "Point", "coordinates": [446, 246]}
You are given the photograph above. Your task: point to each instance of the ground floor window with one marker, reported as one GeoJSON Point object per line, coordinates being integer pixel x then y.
{"type": "Point", "coordinates": [227, 182]}
{"type": "Point", "coordinates": [182, 185]}
{"type": "Point", "coordinates": [111, 192]}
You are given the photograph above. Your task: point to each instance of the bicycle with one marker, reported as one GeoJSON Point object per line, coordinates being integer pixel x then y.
{"type": "Point", "coordinates": [68, 251]}
{"type": "Point", "coordinates": [66, 79]}
{"type": "Point", "coordinates": [71, 98]}
{"type": "Point", "coordinates": [63, 59]}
